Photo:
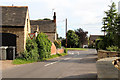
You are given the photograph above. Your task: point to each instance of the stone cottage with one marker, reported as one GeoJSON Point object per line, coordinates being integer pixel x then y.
{"type": "Point", "coordinates": [15, 26]}
{"type": "Point", "coordinates": [92, 38]}
{"type": "Point", "coordinates": [46, 26]}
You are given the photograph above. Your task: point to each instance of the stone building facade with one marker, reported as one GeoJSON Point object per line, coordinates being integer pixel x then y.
{"type": "Point", "coordinates": [15, 26]}
{"type": "Point", "coordinates": [92, 38]}
{"type": "Point", "coordinates": [46, 26]}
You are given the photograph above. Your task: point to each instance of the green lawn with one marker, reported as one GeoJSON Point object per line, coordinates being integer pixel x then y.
{"type": "Point", "coordinates": [23, 61]}
{"type": "Point", "coordinates": [81, 49]}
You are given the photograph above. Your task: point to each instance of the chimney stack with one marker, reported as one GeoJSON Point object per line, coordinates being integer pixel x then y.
{"type": "Point", "coordinates": [54, 17]}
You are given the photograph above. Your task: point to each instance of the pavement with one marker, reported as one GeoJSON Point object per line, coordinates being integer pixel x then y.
{"type": "Point", "coordinates": [105, 66]}
{"type": "Point", "coordinates": [6, 64]}
{"type": "Point", "coordinates": [77, 64]}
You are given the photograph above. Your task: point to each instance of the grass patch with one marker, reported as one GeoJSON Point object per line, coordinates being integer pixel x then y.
{"type": "Point", "coordinates": [82, 49]}
{"type": "Point", "coordinates": [54, 56]}
{"type": "Point", "coordinates": [23, 61]}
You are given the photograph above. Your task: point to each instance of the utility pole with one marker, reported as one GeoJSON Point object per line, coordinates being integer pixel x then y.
{"type": "Point", "coordinates": [66, 32]}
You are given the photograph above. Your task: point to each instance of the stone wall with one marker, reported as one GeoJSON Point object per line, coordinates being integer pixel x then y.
{"type": "Point", "coordinates": [106, 54]}
{"type": "Point", "coordinates": [51, 36]}
{"type": "Point", "coordinates": [19, 32]}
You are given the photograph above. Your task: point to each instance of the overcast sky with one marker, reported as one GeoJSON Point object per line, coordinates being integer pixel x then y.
{"type": "Point", "coordinates": [85, 14]}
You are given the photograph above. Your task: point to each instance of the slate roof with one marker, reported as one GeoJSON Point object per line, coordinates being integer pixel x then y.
{"type": "Point", "coordinates": [44, 25]}
{"type": "Point", "coordinates": [13, 15]}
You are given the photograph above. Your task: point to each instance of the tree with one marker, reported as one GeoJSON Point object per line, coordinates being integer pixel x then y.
{"type": "Point", "coordinates": [63, 42]}
{"type": "Point", "coordinates": [110, 19]}
{"type": "Point", "coordinates": [72, 39]}
{"type": "Point", "coordinates": [117, 30]}
{"type": "Point", "coordinates": [109, 25]}
{"type": "Point", "coordinates": [45, 19]}
{"type": "Point", "coordinates": [82, 36]}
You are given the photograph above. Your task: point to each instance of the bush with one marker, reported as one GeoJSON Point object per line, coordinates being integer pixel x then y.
{"type": "Point", "coordinates": [112, 48]}
{"type": "Point", "coordinates": [57, 44]}
{"type": "Point", "coordinates": [44, 46]}
{"type": "Point", "coordinates": [91, 45]}
{"type": "Point", "coordinates": [63, 42]}
{"type": "Point", "coordinates": [101, 45]}
{"type": "Point", "coordinates": [65, 50]}
{"type": "Point", "coordinates": [31, 52]}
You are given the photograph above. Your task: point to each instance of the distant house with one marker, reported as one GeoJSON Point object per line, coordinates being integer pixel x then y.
{"type": "Point", "coordinates": [15, 26]}
{"type": "Point", "coordinates": [92, 38]}
{"type": "Point", "coordinates": [46, 26]}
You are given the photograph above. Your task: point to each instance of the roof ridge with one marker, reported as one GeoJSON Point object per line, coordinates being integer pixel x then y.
{"type": "Point", "coordinates": [41, 20]}
{"type": "Point", "coordinates": [15, 6]}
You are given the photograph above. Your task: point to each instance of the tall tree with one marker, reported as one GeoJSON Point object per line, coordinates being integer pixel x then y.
{"type": "Point", "coordinates": [72, 39]}
{"type": "Point", "coordinates": [82, 36]}
{"type": "Point", "coordinates": [109, 24]}
{"type": "Point", "coordinates": [109, 20]}
{"type": "Point", "coordinates": [117, 30]}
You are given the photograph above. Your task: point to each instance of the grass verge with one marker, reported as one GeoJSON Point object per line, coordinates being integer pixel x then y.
{"type": "Point", "coordinates": [54, 56]}
{"type": "Point", "coordinates": [23, 61]}
{"type": "Point", "coordinates": [73, 49]}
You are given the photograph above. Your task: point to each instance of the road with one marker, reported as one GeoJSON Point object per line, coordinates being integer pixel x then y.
{"type": "Point", "coordinates": [77, 64]}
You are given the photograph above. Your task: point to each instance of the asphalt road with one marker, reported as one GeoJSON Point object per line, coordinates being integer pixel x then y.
{"type": "Point", "coordinates": [77, 64]}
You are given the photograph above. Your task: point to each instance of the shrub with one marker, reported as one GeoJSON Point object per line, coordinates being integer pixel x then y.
{"type": "Point", "coordinates": [65, 50]}
{"type": "Point", "coordinates": [31, 52]}
{"type": "Point", "coordinates": [63, 42]}
{"type": "Point", "coordinates": [91, 45]}
{"type": "Point", "coordinates": [57, 44]}
{"type": "Point", "coordinates": [112, 48]}
{"type": "Point", "coordinates": [44, 46]}
{"type": "Point", "coordinates": [101, 45]}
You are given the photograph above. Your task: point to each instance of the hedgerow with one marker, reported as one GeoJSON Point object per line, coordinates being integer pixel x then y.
{"type": "Point", "coordinates": [44, 46]}
{"type": "Point", "coordinates": [31, 52]}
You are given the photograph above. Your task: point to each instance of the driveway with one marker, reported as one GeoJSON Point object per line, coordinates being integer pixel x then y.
{"type": "Point", "coordinates": [77, 64]}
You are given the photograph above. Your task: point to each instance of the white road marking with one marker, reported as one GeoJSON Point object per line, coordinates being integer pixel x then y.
{"type": "Point", "coordinates": [51, 63]}
{"type": "Point", "coordinates": [72, 53]}
{"type": "Point", "coordinates": [66, 58]}
{"type": "Point", "coordinates": [80, 58]}
{"type": "Point", "coordinates": [56, 62]}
